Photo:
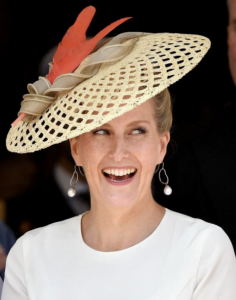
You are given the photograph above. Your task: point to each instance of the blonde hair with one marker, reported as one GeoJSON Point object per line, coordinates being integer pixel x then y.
{"type": "Point", "coordinates": [163, 111]}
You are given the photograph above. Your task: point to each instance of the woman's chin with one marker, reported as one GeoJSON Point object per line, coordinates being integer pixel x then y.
{"type": "Point", "coordinates": [122, 199]}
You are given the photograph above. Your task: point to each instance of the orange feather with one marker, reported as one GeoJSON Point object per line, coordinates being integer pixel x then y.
{"type": "Point", "coordinates": [76, 33]}
{"type": "Point", "coordinates": [74, 47]}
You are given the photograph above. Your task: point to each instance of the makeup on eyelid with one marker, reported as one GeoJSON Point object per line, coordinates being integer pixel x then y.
{"type": "Point", "coordinates": [140, 129]}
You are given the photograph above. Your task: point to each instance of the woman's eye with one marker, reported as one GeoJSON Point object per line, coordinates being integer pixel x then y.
{"type": "Point", "coordinates": [100, 131]}
{"type": "Point", "coordinates": [138, 131]}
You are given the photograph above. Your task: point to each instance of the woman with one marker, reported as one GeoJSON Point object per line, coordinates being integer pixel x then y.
{"type": "Point", "coordinates": [118, 118]}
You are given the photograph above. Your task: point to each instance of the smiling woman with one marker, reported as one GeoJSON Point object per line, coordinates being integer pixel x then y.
{"type": "Point", "coordinates": [130, 144]}
{"type": "Point", "coordinates": [115, 109]}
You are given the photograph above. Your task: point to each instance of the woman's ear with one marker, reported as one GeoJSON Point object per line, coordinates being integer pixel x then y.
{"type": "Point", "coordinates": [164, 140]}
{"type": "Point", "coordinates": [75, 151]}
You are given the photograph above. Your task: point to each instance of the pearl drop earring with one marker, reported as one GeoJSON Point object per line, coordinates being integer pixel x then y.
{"type": "Point", "coordinates": [71, 191]}
{"type": "Point", "coordinates": [167, 189]}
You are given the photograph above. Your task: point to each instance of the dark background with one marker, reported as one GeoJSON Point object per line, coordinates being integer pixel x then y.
{"type": "Point", "coordinates": [28, 29]}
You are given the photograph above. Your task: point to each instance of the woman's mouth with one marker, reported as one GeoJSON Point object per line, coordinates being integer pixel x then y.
{"type": "Point", "coordinates": [119, 176]}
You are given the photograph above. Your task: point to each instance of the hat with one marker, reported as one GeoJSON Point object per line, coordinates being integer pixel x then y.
{"type": "Point", "coordinates": [119, 75]}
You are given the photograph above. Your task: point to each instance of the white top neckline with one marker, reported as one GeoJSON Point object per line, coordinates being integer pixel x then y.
{"type": "Point", "coordinates": [153, 235]}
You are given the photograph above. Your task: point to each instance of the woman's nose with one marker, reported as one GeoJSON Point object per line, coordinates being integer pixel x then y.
{"type": "Point", "coordinates": [118, 150]}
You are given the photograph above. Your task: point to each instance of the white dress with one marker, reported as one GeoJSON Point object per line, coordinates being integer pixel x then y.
{"type": "Point", "coordinates": [183, 259]}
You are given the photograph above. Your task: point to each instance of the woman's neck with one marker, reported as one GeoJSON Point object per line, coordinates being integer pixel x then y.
{"type": "Point", "coordinates": [112, 229]}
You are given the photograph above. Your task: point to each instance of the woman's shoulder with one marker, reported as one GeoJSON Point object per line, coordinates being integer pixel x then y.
{"type": "Point", "coordinates": [52, 233]}
{"type": "Point", "coordinates": [198, 230]}
{"type": "Point", "coordinates": [189, 224]}
{"type": "Point", "coordinates": [53, 241]}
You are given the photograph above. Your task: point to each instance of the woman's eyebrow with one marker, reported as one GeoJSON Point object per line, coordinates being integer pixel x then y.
{"type": "Point", "coordinates": [137, 122]}
{"type": "Point", "coordinates": [129, 124]}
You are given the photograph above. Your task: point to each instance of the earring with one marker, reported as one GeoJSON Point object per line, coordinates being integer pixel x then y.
{"type": "Point", "coordinates": [157, 168]}
{"type": "Point", "coordinates": [71, 191]}
{"type": "Point", "coordinates": [167, 189]}
{"type": "Point", "coordinates": [80, 170]}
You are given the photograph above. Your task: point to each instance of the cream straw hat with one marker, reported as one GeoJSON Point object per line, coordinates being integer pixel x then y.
{"type": "Point", "coordinates": [120, 75]}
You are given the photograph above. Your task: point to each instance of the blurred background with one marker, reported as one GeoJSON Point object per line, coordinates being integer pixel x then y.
{"type": "Point", "coordinates": [30, 191]}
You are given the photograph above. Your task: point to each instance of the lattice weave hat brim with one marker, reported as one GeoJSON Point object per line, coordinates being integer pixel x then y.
{"type": "Point", "coordinates": [155, 62]}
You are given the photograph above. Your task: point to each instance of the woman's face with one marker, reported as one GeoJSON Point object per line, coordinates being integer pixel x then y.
{"type": "Point", "coordinates": [119, 158]}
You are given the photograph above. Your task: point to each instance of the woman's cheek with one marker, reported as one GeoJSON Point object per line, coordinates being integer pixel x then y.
{"type": "Point", "coordinates": [95, 149]}
{"type": "Point", "coordinates": [144, 145]}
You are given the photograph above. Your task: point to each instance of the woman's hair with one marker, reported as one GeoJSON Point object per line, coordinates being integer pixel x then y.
{"type": "Point", "coordinates": [163, 111]}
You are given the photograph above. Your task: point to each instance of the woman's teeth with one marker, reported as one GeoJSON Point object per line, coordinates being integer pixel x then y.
{"type": "Point", "coordinates": [119, 175]}
{"type": "Point", "coordinates": [119, 172]}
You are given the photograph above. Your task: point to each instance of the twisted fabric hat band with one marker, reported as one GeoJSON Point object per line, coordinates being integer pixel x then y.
{"type": "Point", "coordinates": [42, 94]}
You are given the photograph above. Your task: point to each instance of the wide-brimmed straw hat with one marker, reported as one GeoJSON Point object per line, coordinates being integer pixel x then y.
{"type": "Point", "coordinates": [119, 75]}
